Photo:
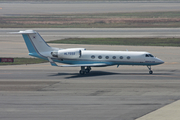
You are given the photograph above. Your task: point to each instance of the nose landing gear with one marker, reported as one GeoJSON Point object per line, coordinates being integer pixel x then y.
{"type": "Point", "coordinates": [84, 71]}
{"type": "Point", "coordinates": [150, 71]}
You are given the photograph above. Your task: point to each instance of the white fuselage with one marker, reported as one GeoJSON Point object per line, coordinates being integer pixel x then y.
{"type": "Point", "coordinates": [109, 57]}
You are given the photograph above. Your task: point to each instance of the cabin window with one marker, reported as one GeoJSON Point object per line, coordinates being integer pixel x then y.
{"type": "Point", "coordinates": [100, 57]}
{"type": "Point", "coordinates": [92, 56]}
{"type": "Point", "coordinates": [128, 57]}
{"type": "Point", "coordinates": [114, 57]}
{"type": "Point", "coordinates": [107, 57]}
{"type": "Point", "coordinates": [121, 57]}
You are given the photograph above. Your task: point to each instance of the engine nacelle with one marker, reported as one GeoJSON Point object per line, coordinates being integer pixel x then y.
{"type": "Point", "coordinates": [68, 53]}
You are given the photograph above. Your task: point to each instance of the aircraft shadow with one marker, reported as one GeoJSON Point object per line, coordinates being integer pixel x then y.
{"type": "Point", "coordinates": [91, 74]}
{"type": "Point", "coordinates": [103, 73]}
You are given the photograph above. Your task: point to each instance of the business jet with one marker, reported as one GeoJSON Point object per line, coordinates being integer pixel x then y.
{"type": "Point", "coordinates": [85, 59]}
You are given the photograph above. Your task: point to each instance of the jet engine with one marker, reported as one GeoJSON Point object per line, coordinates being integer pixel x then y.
{"type": "Point", "coordinates": [68, 53]}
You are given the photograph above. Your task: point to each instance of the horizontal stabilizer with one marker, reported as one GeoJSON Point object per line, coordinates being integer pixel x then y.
{"type": "Point", "coordinates": [25, 32]}
{"type": "Point", "coordinates": [52, 62]}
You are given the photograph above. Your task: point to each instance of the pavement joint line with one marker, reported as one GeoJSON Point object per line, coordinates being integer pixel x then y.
{"type": "Point", "coordinates": [168, 112]}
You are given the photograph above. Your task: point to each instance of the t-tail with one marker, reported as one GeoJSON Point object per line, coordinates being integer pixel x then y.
{"type": "Point", "coordinates": [36, 45]}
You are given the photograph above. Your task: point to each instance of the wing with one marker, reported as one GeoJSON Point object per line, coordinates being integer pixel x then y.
{"type": "Point", "coordinates": [90, 65]}
{"type": "Point", "coordinates": [78, 65]}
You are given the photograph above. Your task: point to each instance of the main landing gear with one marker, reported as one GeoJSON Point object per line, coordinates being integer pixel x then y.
{"type": "Point", "coordinates": [84, 71]}
{"type": "Point", "coordinates": [150, 71]}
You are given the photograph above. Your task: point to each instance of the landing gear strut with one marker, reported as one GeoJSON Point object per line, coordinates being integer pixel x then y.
{"type": "Point", "coordinates": [150, 71]}
{"type": "Point", "coordinates": [84, 71]}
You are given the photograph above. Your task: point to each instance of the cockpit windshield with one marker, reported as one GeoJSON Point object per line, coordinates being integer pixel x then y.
{"type": "Point", "coordinates": [149, 55]}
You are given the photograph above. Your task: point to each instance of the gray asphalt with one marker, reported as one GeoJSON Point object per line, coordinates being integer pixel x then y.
{"type": "Point", "coordinates": [60, 33]}
{"type": "Point", "coordinates": [43, 92]}
{"type": "Point", "coordinates": [125, 93]}
{"type": "Point", "coordinates": [13, 45]}
{"type": "Point", "coordinates": [16, 8]}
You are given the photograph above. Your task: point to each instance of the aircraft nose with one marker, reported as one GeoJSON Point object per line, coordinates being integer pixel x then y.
{"type": "Point", "coordinates": [160, 61]}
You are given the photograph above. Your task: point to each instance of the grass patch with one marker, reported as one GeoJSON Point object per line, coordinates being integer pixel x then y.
{"type": "Point", "coordinates": [20, 61]}
{"type": "Point", "coordinates": [93, 20]}
{"type": "Point", "coordinates": [165, 14]}
{"type": "Point", "coordinates": [122, 41]}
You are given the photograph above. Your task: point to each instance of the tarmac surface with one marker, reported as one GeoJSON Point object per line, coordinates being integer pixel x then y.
{"type": "Point", "coordinates": [43, 92]}
{"type": "Point", "coordinates": [12, 45]}
{"type": "Point", "coordinates": [17, 8]}
{"type": "Point", "coordinates": [60, 33]}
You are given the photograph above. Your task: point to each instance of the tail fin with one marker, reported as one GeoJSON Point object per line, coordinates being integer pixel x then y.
{"type": "Point", "coordinates": [36, 45]}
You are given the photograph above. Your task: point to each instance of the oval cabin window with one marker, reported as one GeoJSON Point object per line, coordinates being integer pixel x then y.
{"type": "Point", "coordinates": [100, 57]}
{"type": "Point", "coordinates": [92, 56]}
{"type": "Point", "coordinates": [114, 57]}
{"type": "Point", "coordinates": [107, 57]}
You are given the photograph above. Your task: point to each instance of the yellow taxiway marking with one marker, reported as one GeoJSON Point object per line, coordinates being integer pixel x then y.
{"type": "Point", "coordinates": [169, 112]}
{"type": "Point", "coordinates": [5, 73]}
{"type": "Point", "coordinates": [12, 42]}
{"type": "Point", "coordinates": [169, 76]}
{"type": "Point", "coordinates": [13, 53]}
{"type": "Point", "coordinates": [171, 62]}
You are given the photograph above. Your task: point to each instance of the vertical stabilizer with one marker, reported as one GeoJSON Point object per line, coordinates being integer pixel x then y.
{"type": "Point", "coordinates": [36, 45]}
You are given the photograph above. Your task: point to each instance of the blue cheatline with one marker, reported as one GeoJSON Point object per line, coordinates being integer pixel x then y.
{"type": "Point", "coordinates": [28, 43]}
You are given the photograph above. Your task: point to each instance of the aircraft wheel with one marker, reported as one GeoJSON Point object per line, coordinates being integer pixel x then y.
{"type": "Point", "coordinates": [151, 72]}
{"type": "Point", "coordinates": [82, 72]}
{"type": "Point", "coordinates": [87, 70]}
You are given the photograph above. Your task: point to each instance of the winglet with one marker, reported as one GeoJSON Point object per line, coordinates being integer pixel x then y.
{"type": "Point", "coordinates": [52, 62]}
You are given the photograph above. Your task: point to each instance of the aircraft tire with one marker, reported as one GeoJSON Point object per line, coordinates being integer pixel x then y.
{"type": "Point", "coordinates": [151, 72]}
{"type": "Point", "coordinates": [82, 72]}
{"type": "Point", "coordinates": [87, 70]}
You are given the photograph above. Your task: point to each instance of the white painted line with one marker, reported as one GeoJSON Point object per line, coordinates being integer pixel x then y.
{"type": "Point", "coordinates": [169, 112]}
